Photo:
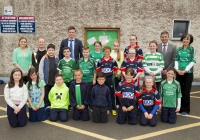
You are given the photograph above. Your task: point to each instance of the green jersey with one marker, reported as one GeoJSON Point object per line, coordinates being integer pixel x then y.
{"type": "Point", "coordinates": [35, 93]}
{"type": "Point", "coordinates": [96, 56]}
{"type": "Point", "coordinates": [67, 69]}
{"type": "Point", "coordinates": [153, 62]}
{"type": "Point", "coordinates": [88, 67]}
{"type": "Point", "coordinates": [170, 92]}
{"type": "Point", "coordinates": [185, 57]}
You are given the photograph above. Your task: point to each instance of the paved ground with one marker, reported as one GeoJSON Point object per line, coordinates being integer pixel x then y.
{"type": "Point", "coordinates": [186, 128]}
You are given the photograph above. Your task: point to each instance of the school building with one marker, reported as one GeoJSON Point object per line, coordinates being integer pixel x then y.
{"type": "Point", "coordinates": [147, 19]}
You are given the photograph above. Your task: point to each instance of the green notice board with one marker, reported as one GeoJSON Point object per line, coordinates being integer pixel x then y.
{"type": "Point", "coordinates": [106, 35]}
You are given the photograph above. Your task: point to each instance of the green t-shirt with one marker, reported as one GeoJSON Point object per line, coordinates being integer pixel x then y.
{"type": "Point", "coordinates": [35, 93]}
{"type": "Point", "coordinates": [185, 57]}
{"type": "Point", "coordinates": [170, 92]}
{"type": "Point", "coordinates": [67, 69]}
{"type": "Point", "coordinates": [88, 68]}
{"type": "Point", "coordinates": [96, 56]}
{"type": "Point", "coordinates": [153, 62]}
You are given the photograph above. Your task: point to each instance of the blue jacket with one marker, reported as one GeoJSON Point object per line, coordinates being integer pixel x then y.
{"type": "Point", "coordinates": [44, 67]}
{"type": "Point", "coordinates": [77, 48]}
{"type": "Point", "coordinates": [84, 93]}
{"type": "Point", "coordinates": [101, 96]}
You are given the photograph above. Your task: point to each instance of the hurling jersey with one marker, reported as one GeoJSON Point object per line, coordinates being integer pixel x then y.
{"type": "Point", "coordinates": [153, 62]}
{"type": "Point", "coordinates": [107, 66]}
{"type": "Point", "coordinates": [170, 93]}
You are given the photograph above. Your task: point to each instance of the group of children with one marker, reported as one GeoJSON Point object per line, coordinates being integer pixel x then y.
{"type": "Point", "coordinates": [88, 84]}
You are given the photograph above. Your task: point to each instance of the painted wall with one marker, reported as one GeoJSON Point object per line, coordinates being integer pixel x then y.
{"type": "Point", "coordinates": [145, 18]}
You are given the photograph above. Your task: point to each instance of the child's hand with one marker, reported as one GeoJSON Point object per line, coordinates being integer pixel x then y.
{"type": "Point", "coordinates": [91, 110]}
{"type": "Point", "coordinates": [33, 108]}
{"type": "Point", "coordinates": [159, 109]}
{"type": "Point", "coordinates": [146, 115]}
{"type": "Point", "coordinates": [37, 107]}
{"type": "Point", "coordinates": [17, 110]}
{"type": "Point", "coordinates": [124, 109]}
{"type": "Point", "coordinates": [108, 111]}
{"type": "Point", "coordinates": [150, 116]}
{"type": "Point", "coordinates": [94, 82]}
{"type": "Point", "coordinates": [82, 107]}
{"type": "Point", "coordinates": [130, 108]}
{"type": "Point", "coordinates": [177, 109]}
{"type": "Point", "coordinates": [78, 107]}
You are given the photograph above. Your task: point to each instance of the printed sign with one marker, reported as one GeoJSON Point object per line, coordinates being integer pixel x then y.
{"type": "Point", "coordinates": [8, 24]}
{"type": "Point", "coordinates": [26, 24]}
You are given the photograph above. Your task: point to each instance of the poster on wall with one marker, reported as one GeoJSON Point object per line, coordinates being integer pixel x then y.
{"type": "Point", "coordinates": [106, 35]}
{"type": "Point", "coordinates": [8, 24]}
{"type": "Point", "coordinates": [26, 24]}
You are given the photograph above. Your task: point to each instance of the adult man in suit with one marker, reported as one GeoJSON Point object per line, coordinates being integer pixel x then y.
{"type": "Point", "coordinates": [73, 43]}
{"type": "Point", "coordinates": [168, 51]}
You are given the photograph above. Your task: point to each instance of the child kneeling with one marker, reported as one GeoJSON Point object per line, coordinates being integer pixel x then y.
{"type": "Point", "coordinates": [171, 97]}
{"type": "Point", "coordinates": [127, 93]}
{"type": "Point", "coordinates": [149, 102]}
{"type": "Point", "coordinates": [101, 100]}
{"type": "Point", "coordinates": [79, 97]}
{"type": "Point", "coordinates": [59, 99]}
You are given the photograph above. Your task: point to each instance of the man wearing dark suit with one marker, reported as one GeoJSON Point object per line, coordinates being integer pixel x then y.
{"type": "Point", "coordinates": [73, 43]}
{"type": "Point", "coordinates": [168, 51]}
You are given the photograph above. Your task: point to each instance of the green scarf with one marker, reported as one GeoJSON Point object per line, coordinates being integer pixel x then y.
{"type": "Point", "coordinates": [78, 95]}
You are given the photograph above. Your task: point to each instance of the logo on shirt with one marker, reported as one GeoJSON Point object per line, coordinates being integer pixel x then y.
{"type": "Point", "coordinates": [148, 102]}
{"type": "Point", "coordinates": [58, 96]}
{"type": "Point", "coordinates": [106, 70]}
{"type": "Point", "coordinates": [128, 95]}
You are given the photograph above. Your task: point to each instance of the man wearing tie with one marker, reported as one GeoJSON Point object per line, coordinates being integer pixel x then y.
{"type": "Point", "coordinates": [168, 51]}
{"type": "Point", "coordinates": [73, 43]}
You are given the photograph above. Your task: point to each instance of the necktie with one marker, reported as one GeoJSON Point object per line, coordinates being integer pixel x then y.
{"type": "Point", "coordinates": [164, 49]}
{"type": "Point", "coordinates": [71, 48]}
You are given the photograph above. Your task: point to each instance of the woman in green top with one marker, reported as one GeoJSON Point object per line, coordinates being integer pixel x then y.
{"type": "Point", "coordinates": [96, 54]}
{"type": "Point", "coordinates": [184, 62]}
{"type": "Point", "coordinates": [22, 57]}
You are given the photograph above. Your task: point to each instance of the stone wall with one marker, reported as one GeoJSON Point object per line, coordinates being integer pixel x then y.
{"type": "Point", "coordinates": [145, 18]}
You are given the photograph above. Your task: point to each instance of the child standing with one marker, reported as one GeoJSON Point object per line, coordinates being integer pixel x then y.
{"type": "Point", "coordinates": [101, 100]}
{"type": "Point", "coordinates": [134, 44]}
{"type": "Point", "coordinates": [153, 63]}
{"type": "Point", "coordinates": [88, 67]}
{"type": "Point", "coordinates": [119, 58]}
{"type": "Point", "coordinates": [170, 93]}
{"type": "Point", "coordinates": [132, 62]}
{"type": "Point", "coordinates": [149, 102]}
{"type": "Point", "coordinates": [108, 66]}
{"type": "Point", "coordinates": [16, 95]}
{"type": "Point", "coordinates": [48, 70]}
{"type": "Point", "coordinates": [97, 54]}
{"type": "Point", "coordinates": [36, 97]}
{"type": "Point", "coordinates": [59, 99]}
{"type": "Point", "coordinates": [127, 93]}
{"type": "Point", "coordinates": [79, 97]}
{"type": "Point", "coordinates": [66, 66]}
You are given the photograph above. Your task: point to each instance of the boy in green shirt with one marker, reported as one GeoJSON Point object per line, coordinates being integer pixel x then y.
{"type": "Point", "coordinates": [59, 99]}
{"type": "Point", "coordinates": [66, 66]}
{"type": "Point", "coordinates": [88, 67]}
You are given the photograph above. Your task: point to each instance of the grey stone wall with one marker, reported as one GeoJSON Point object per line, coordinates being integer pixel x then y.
{"type": "Point", "coordinates": [145, 18]}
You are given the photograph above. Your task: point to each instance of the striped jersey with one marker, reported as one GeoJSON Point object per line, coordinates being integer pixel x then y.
{"type": "Point", "coordinates": [153, 62]}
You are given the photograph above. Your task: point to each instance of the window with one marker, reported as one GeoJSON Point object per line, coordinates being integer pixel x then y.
{"type": "Point", "coordinates": [180, 27]}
